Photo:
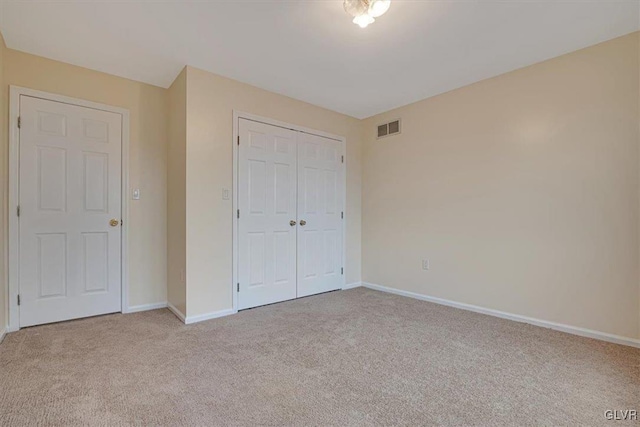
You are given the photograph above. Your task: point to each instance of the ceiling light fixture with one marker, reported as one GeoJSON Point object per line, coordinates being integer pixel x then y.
{"type": "Point", "coordinates": [364, 12]}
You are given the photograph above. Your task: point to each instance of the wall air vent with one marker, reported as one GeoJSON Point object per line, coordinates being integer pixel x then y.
{"type": "Point", "coordinates": [389, 129]}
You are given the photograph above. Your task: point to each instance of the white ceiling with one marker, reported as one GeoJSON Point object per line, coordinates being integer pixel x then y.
{"type": "Point", "coordinates": [310, 50]}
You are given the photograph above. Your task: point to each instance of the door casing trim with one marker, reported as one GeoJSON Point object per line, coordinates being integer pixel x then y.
{"type": "Point", "coordinates": [237, 115]}
{"type": "Point", "coordinates": [12, 243]}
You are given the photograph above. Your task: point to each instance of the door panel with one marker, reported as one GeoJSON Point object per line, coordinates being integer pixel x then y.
{"type": "Point", "coordinates": [70, 188]}
{"type": "Point", "coordinates": [267, 203]}
{"type": "Point", "coordinates": [320, 210]}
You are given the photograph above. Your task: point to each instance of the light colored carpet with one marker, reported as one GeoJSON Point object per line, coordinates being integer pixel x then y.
{"type": "Point", "coordinates": [356, 357]}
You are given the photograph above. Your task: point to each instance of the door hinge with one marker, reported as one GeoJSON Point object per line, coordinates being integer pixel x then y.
{"type": "Point", "coordinates": [18, 299]}
{"type": "Point", "coordinates": [18, 210]}
{"type": "Point", "coordinates": [341, 270]}
{"type": "Point", "coordinates": [238, 139]}
{"type": "Point", "coordinates": [342, 159]}
{"type": "Point", "coordinates": [238, 288]}
{"type": "Point", "coordinates": [19, 122]}
{"type": "Point", "coordinates": [342, 214]}
{"type": "Point", "coordinates": [238, 214]}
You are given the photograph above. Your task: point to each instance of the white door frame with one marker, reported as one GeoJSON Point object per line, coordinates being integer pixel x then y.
{"type": "Point", "coordinates": [237, 115]}
{"type": "Point", "coordinates": [13, 241]}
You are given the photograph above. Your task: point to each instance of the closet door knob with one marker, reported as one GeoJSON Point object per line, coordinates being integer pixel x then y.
{"type": "Point", "coordinates": [303, 222]}
{"type": "Point", "coordinates": [292, 223]}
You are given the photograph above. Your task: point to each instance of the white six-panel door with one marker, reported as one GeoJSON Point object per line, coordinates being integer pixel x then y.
{"type": "Point", "coordinates": [290, 196]}
{"type": "Point", "coordinates": [70, 211]}
{"type": "Point", "coordinates": [319, 212]}
{"type": "Point", "coordinates": [267, 206]}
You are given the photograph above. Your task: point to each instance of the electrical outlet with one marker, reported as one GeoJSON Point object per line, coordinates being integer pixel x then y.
{"type": "Point", "coordinates": [425, 264]}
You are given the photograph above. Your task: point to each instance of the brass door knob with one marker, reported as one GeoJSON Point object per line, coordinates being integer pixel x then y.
{"type": "Point", "coordinates": [114, 222]}
{"type": "Point", "coordinates": [292, 223]}
{"type": "Point", "coordinates": [303, 222]}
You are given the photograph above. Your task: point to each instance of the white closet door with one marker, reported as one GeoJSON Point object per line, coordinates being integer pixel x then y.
{"type": "Point", "coordinates": [319, 214]}
{"type": "Point", "coordinates": [267, 208]}
{"type": "Point", "coordinates": [70, 210]}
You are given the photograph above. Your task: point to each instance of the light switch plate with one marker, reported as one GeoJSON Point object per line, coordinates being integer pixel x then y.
{"type": "Point", "coordinates": [425, 264]}
{"type": "Point", "coordinates": [136, 194]}
{"type": "Point", "coordinates": [225, 194]}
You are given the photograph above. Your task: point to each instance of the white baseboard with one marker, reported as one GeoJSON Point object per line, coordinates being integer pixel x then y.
{"type": "Point", "coordinates": [180, 315]}
{"type": "Point", "coordinates": [207, 316]}
{"type": "Point", "coordinates": [200, 318]}
{"type": "Point", "coordinates": [172, 308]}
{"type": "Point", "coordinates": [352, 285]}
{"type": "Point", "coordinates": [146, 307]}
{"type": "Point", "coordinates": [603, 336]}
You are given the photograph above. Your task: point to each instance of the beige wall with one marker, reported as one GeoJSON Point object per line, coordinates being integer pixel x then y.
{"type": "Point", "coordinates": [176, 194]}
{"type": "Point", "coordinates": [148, 107]}
{"type": "Point", "coordinates": [4, 152]}
{"type": "Point", "coordinates": [521, 190]}
{"type": "Point", "coordinates": [211, 100]}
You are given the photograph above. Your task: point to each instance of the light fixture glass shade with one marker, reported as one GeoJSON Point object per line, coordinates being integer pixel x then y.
{"type": "Point", "coordinates": [363, 20]}
{"type": "Point", "coordinates": [378, 7]}
{"type": "Point", "coordinates": [356, 7]}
